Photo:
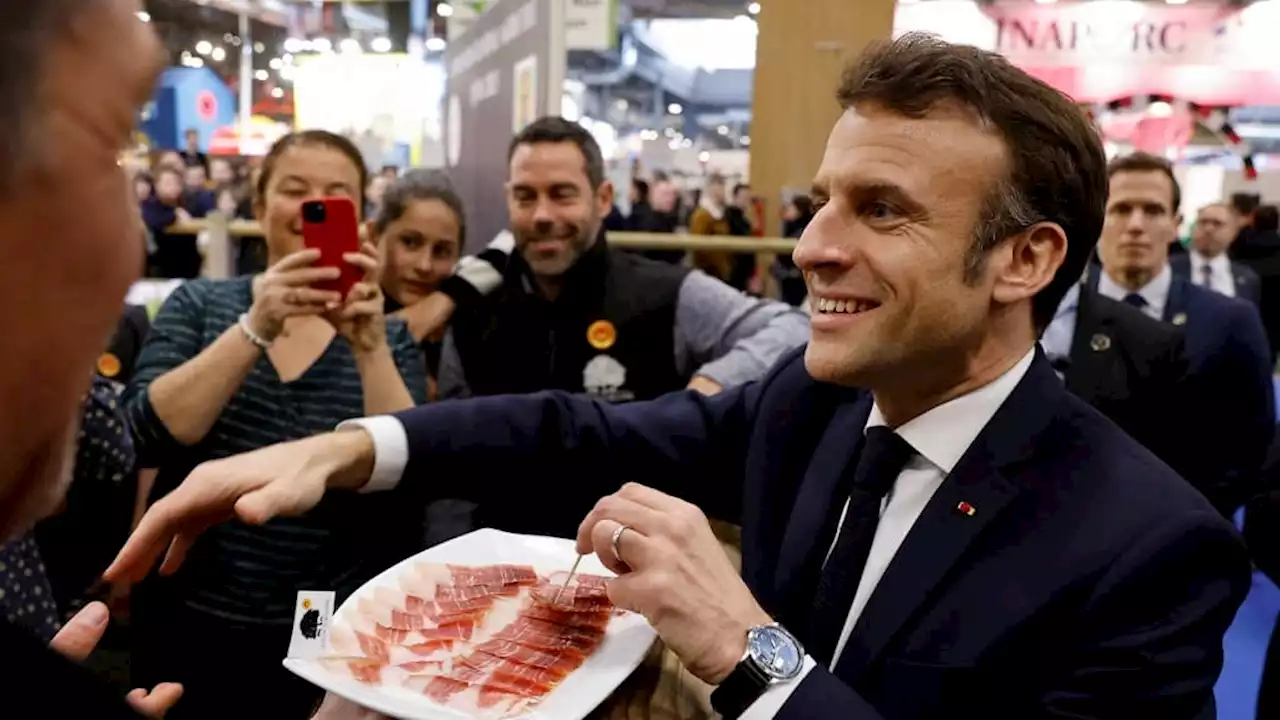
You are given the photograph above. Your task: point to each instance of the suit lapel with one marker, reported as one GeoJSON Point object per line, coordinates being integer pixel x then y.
{"type": "Point", "coordinates": [1175, 306]}
{"type": "Point", "coordinates": [1091, 353]}
{"type": "Point", "coordinates": [982, 483]}
{"type": "Point", "coordinates": [799, 556]}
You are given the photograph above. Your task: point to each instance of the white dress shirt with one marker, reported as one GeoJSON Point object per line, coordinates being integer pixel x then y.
{"type": "Point", "coordinates": [1155, 292]}
{"type": "Point", "coordinates": [1221, 280]}
{"type": "Point", "coordinates": [940, 437]}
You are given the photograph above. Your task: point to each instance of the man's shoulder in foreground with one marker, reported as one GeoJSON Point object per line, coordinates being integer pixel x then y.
{"type": "Point", "coordinates": [39, 683]}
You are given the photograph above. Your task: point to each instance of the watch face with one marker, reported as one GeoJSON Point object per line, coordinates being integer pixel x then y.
{"type": "Point", "coordinates": [775, 652]}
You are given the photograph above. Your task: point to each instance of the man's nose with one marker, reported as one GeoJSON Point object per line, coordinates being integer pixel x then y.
{"type": "Point", "coordinates": [819, 245]}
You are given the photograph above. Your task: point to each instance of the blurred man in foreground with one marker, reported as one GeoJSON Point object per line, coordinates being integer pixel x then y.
{"type": "Point", "coordinates": [73, 74]}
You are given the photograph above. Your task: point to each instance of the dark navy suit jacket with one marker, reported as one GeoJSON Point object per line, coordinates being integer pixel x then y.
{"type": "Point", "coordinates": [1090, 580]}
{"type": "Point", "coordinates": [1233, 406]}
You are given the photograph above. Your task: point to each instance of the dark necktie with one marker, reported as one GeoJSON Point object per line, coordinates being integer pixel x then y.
{"type": "Point", "coordinates": [1206, 273]}
{"type": "Point", "coordinates": [1136, 300]}
{"type": "Point", "coordinates": [884, 453]}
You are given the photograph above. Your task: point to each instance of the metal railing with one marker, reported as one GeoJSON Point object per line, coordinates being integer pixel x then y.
{"type": "Point", "coordinates": [223, 236]}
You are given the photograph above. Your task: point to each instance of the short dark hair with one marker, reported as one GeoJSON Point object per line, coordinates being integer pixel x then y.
{"type": "Point", "coordinates": [555, 129]}
{"type": "Point", "coordinates": [1245, 203]}
{"type": "Point", "coordinates": [740, 187]}
{"type": "Point", "coordinates": [322, 138]}
{"type": "Point", "coordinates": [1266, 218]}
{"type": "Point", "coordinates": [1141, 162]}
{"type": "Point", "coordinates": [642, 188]}
{"type": "Point", "coordinates": [420, 184]}
{"type": "Point", "coordinates": [1057, 168]}
{"type": "Point", "coordinates": [29, 29]}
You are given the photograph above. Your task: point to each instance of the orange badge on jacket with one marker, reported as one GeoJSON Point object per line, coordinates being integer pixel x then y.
{"type": "Point", "coordinates": [602, 335]}
{"type": "Point", "coordinates": [108, 365]}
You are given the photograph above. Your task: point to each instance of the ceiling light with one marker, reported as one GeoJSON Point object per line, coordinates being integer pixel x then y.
{"type": "Point", "coordinates": [262, 75]}
{"type": "Point", "coordinates": [275, 64]}
{"type": "Point", "coordinates": [218, 54]}
{"type": "Point", "coordinates": [277, 93]}
{"type": "Point", "coordinates": [704, 156]}
{"type": "Point", "coordinates": [322, 45]}
{"type": "Point", "coordinates": [724, 129]}
{"type": "Point", "coordinates": [381, 45]}
{"type": "Point", "coordinates": [444, 10]}
{"type": "Point", "coordinates": [675, 108]}
{"type": "Point", "coordinates": [295, 45]}
{"type": "Point", "coordinates": [435, 44]}
{"type": "Point", "coordinates": [143, 16]}
{"type": "Point", "coordinates": [746, 140]}
{"type": "Point", "coordinates": [259, 48]}
{"type": "Point", "coordinates": [753, 8]}
{"type": "Point", "coordinates": [350, 45]}
{"type": "Point", "coordinates": [204, 47]}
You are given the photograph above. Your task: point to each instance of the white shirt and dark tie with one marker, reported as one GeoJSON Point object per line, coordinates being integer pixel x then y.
{"type": "Point", "coordinates": [1213, 273]}
{"type": "Point", "coordinates": [1150, 298]}
{"type": "Point", "coordinates": [939, 437]}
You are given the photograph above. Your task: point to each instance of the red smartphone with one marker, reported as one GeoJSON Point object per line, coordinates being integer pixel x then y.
{"type": "Point", "coordinates": [331, 226]}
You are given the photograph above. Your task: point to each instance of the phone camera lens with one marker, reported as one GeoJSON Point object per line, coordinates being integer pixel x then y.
{"type": "Point", "coordinates": [313, 212]}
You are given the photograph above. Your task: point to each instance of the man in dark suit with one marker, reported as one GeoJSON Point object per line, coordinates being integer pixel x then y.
{"type": "Point", "coordinates": [1208, 265]}
{"type": "Point", "coordinates": [1229, 358]}
{"type": "Point", "coordinates": [72, 88]}
{"type": "Point", "coordinates": [1129, 367]}
{"type": "Point", "coordinates": [996, 547]}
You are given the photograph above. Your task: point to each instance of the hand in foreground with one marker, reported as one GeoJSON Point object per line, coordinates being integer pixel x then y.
{"type": "Point", "coordinates": [705, 385]}
{"type": "Point", "coordinates": [285, 479]}
{"type": "Point", "coordinates": [81, 635]}
{"type": "Point", "coordinates": [335, 708]}
{"type": "Point", "coordinates": [673, 571]}
{"type": "Point", "coordinates": [285, 291]}
{"type": "Point", "coordinates": [361, 318]}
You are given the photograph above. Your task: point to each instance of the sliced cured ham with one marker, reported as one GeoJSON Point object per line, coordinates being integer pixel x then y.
{"type": "Point", "coordinates": [491, 641]}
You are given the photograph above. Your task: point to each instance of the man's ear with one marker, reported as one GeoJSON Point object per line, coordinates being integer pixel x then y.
{"type": "Point", "coordinates": [604, 198]}
{"type": "Point", "coordinates": [1030, 262]}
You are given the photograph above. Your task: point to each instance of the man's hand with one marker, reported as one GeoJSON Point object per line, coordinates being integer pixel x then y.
{"type": "Point", "coordinates": [285, 479]}
{"type": "Point", "coordinates": [80, 636]}
{"type": "Point", "coordinates": [673, 571]}
{"type": "Point", "coordinates": [705, 385]}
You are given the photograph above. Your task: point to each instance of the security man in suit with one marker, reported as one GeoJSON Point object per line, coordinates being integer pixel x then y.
{"type": "Point", "coordinates": [1131, 368]}
{"type": "Point", "coordinates": [1208, 265]}
{"type": "Point", "coordinates": [996, 547]}
{"type": "Point", "coordinates": [1228, 356]}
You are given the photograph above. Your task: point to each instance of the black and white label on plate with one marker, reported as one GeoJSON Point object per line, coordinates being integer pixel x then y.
{"type": "Point", "coordinates": [311, 620]}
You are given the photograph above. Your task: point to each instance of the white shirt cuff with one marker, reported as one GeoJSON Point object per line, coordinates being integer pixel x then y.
{"type": "Point", "coordinates": [390, 450]}
{"type": "Point", "coordinates": [771, 701]}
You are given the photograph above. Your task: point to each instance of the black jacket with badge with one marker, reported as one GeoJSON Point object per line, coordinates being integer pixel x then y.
{"type": "Point", "coordinates": [610, 333]}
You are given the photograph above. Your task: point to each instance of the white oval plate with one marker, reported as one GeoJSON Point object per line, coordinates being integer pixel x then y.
{"type": "Point", "coordinates": [625, 644]}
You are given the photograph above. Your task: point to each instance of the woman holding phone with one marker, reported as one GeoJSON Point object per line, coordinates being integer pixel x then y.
{"type": "Point", "coordinates": [232, 365]}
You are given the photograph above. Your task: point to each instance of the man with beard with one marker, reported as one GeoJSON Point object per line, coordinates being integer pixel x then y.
{"type": "Point", "coordinates": [573, 314]}
{"type": "Point", "coordinates": [73, 74]}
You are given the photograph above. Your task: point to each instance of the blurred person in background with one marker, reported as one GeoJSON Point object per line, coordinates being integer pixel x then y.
{"type": "Point", "coordinates": [741, 215]}
{"type": "Point", "coordinates": [192, 155]}
{"type": "Point", "coordinates": [170, 159]}
{"type": "Point", "coordinates": [1207, 263]}
{"type": "Point", "coordinates": [1243, 208]}
{"type": "Point", "coordinates": [641, 210]}
{"type": "Point", "coordinates": [660, 215]}
{"type": "Point", "coordinates": [74, 76]}
{"type": "Point", "coordinates": [176, 255]}
{"type": "Point", "coordinates": [796, 216]}
{"type": "Point", "coordinates": [710, 218]}
{"type": "Point", "coordinates": [247, 362]}
{"type": "Point", "coordinates": [221, 173]}
{"type": "Point", "coordinates": [373, 196]}
{"type": "Point", "coordinates": [1261, 252]}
